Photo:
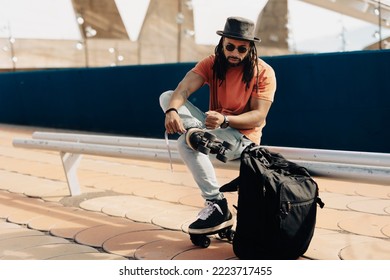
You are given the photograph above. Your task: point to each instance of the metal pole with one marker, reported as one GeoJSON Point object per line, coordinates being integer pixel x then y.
{"type": "Point", "coordinates": [179, 20]}
{"type": "Point", "coordinates": [380, 23]}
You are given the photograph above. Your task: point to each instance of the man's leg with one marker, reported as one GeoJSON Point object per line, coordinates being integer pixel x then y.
{"type": "Point", "coordinates": [216, 214]}
{"type": "Point", "coordinates": [190, 114]}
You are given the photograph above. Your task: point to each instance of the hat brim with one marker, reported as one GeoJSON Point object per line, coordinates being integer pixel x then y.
{"type": "Point", "coordinates": [242, 38]}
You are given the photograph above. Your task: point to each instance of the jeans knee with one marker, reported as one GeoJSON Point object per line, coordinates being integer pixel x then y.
{"type": "Point", "coordinates": [181, 144]}
{"type": "Point", "coordinates": [165, 97]}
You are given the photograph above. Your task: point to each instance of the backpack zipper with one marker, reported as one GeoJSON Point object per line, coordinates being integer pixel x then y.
{"type": "Point", "coordinates": [284, 211]}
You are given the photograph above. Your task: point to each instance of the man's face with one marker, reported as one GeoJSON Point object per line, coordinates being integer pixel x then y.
{"type": "Point", "coordinates": [235, 50]}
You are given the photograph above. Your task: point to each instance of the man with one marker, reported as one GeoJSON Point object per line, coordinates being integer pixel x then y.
{"type": "Point", "coordinates": [242, 89]}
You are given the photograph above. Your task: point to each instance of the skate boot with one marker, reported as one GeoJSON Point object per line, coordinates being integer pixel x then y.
{"type": "Point", "coordinates": [206, 143]}
{"type": "Point", "coordinates": [215, 218]}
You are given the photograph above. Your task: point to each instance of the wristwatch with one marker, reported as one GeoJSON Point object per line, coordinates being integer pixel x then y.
{"type": "Point", "coordinates": [225, 123]}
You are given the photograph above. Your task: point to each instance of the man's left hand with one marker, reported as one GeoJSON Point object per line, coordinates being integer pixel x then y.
{"type": "Point", "coordinates": [213, 119]}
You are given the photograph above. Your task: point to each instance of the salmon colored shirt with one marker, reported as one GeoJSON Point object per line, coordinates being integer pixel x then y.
{"type": "Point", "coordinates": [232, 97]}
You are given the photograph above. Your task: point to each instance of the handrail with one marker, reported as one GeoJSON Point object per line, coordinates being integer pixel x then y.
{"type": "Point", "coordinates": [301, 154]}
{"type": "Point", "coordinates": [363, 167]}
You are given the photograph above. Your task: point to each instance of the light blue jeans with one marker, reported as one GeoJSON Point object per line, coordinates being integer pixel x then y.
{"type": "Point", "coordinates": [199, 164]}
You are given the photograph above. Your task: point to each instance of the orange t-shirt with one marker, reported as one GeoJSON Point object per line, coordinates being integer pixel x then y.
{"type": "Point", "coordinates": [232, 96]}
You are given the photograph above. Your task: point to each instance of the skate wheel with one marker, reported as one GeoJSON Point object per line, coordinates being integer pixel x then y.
{"type": "Point", "coordinates": [227, 233]}
{"type": "Point", "coordinates": [194, 239]}
{"type": "Point", "coordinates": [204, 150]}
{"type": "Point", "coordinates": [222, 158]}
{"type": "Point", "coordinates": [222, 234]}
{"type": "Point", "coordinates": [200, 240]}
{"type": "Point", "coordinates": [205, 242]}
{"type": "Point", "coordinates": [228, 145]}
{"type": "Point", "coordinates": [194, 138]}
{"type": "Point", "coordinates": [209, 136]}
{"type": "Point", "coordinates": [230, 235]}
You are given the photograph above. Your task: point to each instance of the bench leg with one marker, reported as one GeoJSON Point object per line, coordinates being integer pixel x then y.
{"type": "Point", "coordinates": [70, 162]}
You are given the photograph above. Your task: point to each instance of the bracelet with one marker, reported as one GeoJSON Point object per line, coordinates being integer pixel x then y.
{"type": "Point", "coordinates": [171, 109]}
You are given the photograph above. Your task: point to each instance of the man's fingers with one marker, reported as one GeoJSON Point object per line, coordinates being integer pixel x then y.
{"type": "Point", "coordinates": [175, 127]}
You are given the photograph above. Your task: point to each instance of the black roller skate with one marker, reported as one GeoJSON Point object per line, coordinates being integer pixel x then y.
{"type": "Point", "coordinates": [207, 143]}
{"type": "Point", "coordinates": [215, 218]}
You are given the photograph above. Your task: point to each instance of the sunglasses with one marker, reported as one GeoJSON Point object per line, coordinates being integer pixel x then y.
{"type": "Point", "coordinates": [240, 49]}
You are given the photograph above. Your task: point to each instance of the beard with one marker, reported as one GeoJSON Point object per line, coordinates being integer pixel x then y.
{"type": "Point", "coordinates": [234, 61]}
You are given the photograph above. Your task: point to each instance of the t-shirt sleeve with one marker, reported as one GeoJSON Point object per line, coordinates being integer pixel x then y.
{"type": "Point", "coordinates": [204, 68]}
{"type": "Point", "coordinates": [266, 84]}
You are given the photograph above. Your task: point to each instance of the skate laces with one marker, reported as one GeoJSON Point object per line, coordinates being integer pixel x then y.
{"type": "Point", "coordinates": [169, 149]}
{"type": "Point", "coordinates": [208, 210]}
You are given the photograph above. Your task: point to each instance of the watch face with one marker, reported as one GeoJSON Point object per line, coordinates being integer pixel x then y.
{"type": "Point", "coordinates": [225, 123]}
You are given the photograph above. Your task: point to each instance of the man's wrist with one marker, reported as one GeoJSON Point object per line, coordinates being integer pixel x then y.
{"type": "Point", "coordinates": [225, 122]}
{"type": "Point", "coordinates": [171, 110]}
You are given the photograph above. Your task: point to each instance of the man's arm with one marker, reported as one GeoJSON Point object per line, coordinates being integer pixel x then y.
{"type": "Point", "coordinates": [253, 118]}
{"type": "Point", "coordinates": [259, 109]}
{"type": "Point", "coordinates": [190, 83]}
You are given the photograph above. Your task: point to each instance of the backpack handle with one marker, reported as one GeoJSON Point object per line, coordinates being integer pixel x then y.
{"type": "Point", "coordinates": [276, 160]}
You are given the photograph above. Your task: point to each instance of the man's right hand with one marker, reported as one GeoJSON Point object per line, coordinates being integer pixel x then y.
{"type": "Point", "coordinates": [173, 123]}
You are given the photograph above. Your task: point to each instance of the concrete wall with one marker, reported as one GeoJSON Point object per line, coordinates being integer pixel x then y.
{"type": "Point", "coordinates": [330, 101]}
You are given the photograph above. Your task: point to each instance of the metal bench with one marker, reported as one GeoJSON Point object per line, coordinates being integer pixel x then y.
{"type": "Point", "coordinates": [360, 166]}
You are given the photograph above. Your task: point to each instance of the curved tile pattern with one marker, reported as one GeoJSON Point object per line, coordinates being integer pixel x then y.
{"type": "Point", "coordinates": [118, 192]}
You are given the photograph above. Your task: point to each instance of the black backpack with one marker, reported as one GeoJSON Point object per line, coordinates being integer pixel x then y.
{"type": "Point", "coordinates": [276, 208]}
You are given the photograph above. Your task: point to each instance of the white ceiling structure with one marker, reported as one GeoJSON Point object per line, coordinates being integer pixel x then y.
{"type": "Point", "coordinates": [347, 25]}
{"type": "Point", "coordinates": [314, 25]}
{"type": "Point", "coordinates": [364, 10]}
{"type": "Point", "coordinates": [336, 25]}
{"type": "Point", "coordinates": [38, 19]}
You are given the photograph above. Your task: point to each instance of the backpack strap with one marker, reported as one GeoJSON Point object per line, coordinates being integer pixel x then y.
{"type": "Point", "coordinates": [231, 186]}
{"type": "Point", "coordinates": [320, 203]}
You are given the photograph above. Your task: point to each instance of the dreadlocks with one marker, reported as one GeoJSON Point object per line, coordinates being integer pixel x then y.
{"type": "Point", "coordinates": [221, 64]}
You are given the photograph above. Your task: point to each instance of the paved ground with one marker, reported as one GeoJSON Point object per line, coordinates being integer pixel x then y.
{"type": "Point", "coordinates": [133, 209]}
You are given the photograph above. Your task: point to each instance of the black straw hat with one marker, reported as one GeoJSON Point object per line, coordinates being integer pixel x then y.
{"type": "Point", "coordinates": [240, 29]}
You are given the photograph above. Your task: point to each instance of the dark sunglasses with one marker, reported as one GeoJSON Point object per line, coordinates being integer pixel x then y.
{"type": "Point", "coordinates": [231, 47]}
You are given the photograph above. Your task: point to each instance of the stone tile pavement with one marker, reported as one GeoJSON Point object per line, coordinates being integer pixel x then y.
{"type": "Point", "coordinates": [133, 209]}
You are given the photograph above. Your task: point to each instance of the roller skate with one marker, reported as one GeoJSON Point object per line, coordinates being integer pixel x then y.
{"type": "Point", "coordinates": [215, 218]}
{"type": "Point", "coordinates": [207, 143]}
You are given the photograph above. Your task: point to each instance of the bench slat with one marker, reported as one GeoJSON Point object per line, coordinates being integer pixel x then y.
{"type": "Point", "coordinates": [71, 147]}
{"type": "Point", "coordinates": [97, 149]}
{"type": "Point", "coordinates": [151, 143]}
{"type": "Point", "coordinates": [302, 154]}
